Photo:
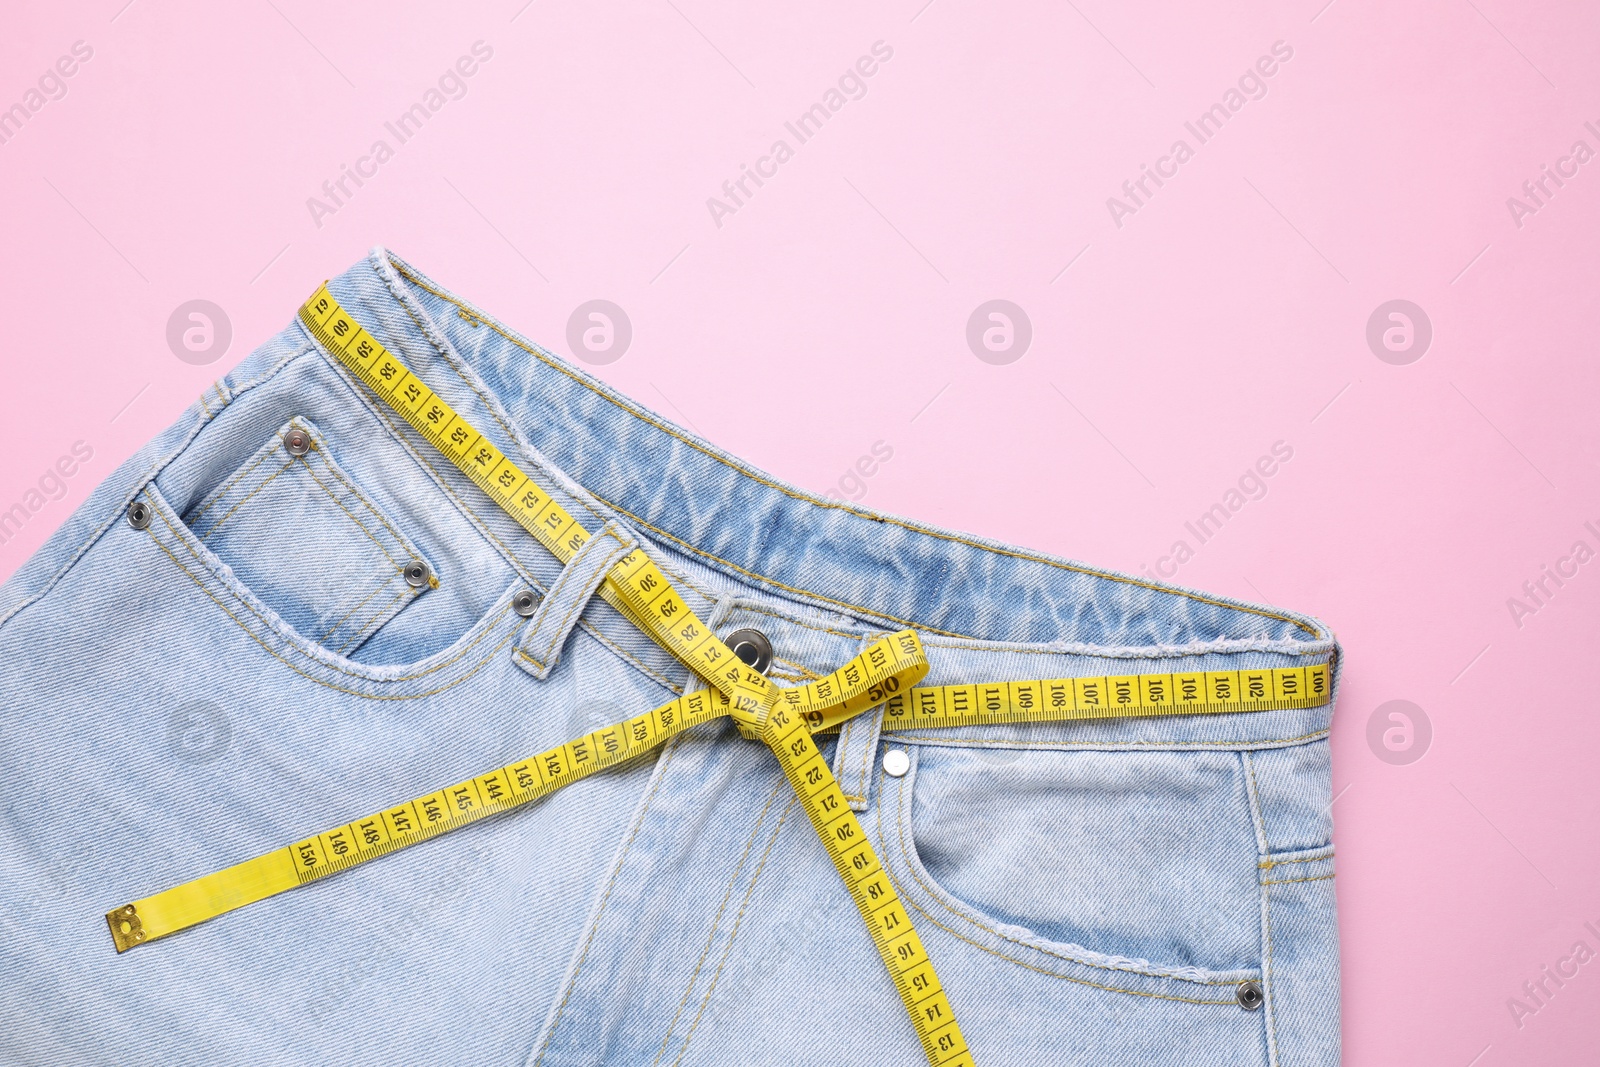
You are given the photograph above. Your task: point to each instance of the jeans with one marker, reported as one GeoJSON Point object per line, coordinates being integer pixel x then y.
{"type": "Point", "coordinates": [254, 665]}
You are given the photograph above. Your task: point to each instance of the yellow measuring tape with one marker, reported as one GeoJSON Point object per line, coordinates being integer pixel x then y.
{"type": "Point", "coordinates": [1109, 697]}
{"type": "Point", "coordinates": [783, 718]}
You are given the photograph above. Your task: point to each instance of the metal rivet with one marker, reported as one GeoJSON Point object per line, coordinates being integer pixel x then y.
{"type": "Point", "coordinates": [416, 573]}
{"type": "Point", "coordinates": [1249, 995]}
{"type": "Point", "coordinates": [138, 514]}
{"type": "Point", "coordinates": [752, 647]}
{"type": "Point", "coordinates": [525, 603]}
{"type": "Point", "coordinates": [297, 442]}
{"type": "Point", "coordinates": [896, 763]}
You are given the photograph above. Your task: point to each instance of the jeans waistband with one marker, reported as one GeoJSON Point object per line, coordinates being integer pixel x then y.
{"type": "Point", "coordinates": [615, 456]}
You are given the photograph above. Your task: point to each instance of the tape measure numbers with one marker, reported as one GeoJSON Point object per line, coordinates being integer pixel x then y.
{"type": "Point", "coordinates": [506, 787]}
{"type": "Point", "coordinates": [783, 718]}
{"type": "Point", "coordinates": [636, 587]}
{"type": "Point", "coordinates": [1113, 696]}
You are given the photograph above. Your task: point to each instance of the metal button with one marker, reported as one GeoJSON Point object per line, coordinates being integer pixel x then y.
{"type": "Point", "coordinates": [1249, 995]}
{"type": "Point", "coordinates": [896, 763]}
{"type": "Point", "coordinates": [297, 442]}
{"type": "Point", "coordinates": [416, 573]}
{"type": "Point", "coordinates": [138, 514]}
{"type": "Point", "coordinates": [525, 603]}
{"type": "Point", "coordinates": [752, 647]}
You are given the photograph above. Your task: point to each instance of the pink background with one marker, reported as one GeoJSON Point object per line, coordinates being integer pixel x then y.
{"type": "Point", "coordinates": [829, 313]}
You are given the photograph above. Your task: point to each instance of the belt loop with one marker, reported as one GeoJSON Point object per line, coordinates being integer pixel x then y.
{"type": "Point", "coordinates": [858, 748]}
{"type": "Point", "coordinates": [547, 631]}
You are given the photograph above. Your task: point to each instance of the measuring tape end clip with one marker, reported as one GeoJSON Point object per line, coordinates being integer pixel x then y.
{"type": "Point", "coordinates": [127, 930]}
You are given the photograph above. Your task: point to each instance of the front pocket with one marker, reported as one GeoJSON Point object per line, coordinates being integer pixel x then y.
{"type": "Point", "coordinates": [1140, 862]}
{"type": "Point", "coordinates": [309, 544]}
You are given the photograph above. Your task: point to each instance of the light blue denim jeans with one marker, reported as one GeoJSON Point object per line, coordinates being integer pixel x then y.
{"type": "Point", "coordinates": [249, 668]}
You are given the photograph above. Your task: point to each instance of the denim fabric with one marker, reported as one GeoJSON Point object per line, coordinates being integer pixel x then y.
{"type": "Point", "coordinates": [247, 671]}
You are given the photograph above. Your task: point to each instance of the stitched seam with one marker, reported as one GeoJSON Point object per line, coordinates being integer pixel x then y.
{"type": "Point", "coordinates": [307, 345]}
{"type": "Point", "coordinates": [488, 405]}
{"type": "Point", "coordinates": [716, 922]}
{"type": "Point", "coordinates": [579, 602]}
{"type": "Point", "coordinates": [555, 591]}
{"type": "Point", "coordinates": [1291, 881]}
{"type": "Point", "coordinates": [1009, 743]}
{"type": "Point", "coordinates": [330, 685]}
{"type": "Point", "coordinates": [266, 454]}
{"type": "Point", "coordinates": [372, 622]}
{"type": "Point", "coordinates": [681, 578]}
{"type": "Point", "coordinates": [1112, 652]}
{"type": "Point", "coordinates": [678, 577]}
{"type": "Point", "coordinates": [803, 671]}
{"type": "Point", "coordinates": [511, 557]}
{"type": "Point", "coordinates": [333, 469]}
{"type": "Point", "coordinates": [842, 752]}
{"type": "Point", "coordinates": [738, 922]}
{"type": "Point", "coordinates": [686, 546]}
{"type": "Point", "coordinates": [1253, 799]}
{"type": "Point", "coordinates": [158, 465]}
{"type": "Point", "coordinates": [786, 617]}
{"type": "Point", "coordinates": [1267, 865]}
{"type": "Point", "coordinates": [819, 502]}
{"type": "Point", "coordinates": [934, 895]}
{"type": "Point", "coordinates": [866, 760]}
{"type": "Point", "coordinates": [861, 778]}
{"type": "Point", "coordinates": [643, 667]}
{"type": "Point", "coordinates": [204, 405]}
{"type": "Point", "coordinates": [594, 926]}
{"type": "Point", "coordinates": [378, 619]}
{"type": "Point", "coordinates": [1272, 1017]}
{"type": "Point", "coordinates": [1020, 963]}
{"type": "Point", "coordinates": [331, 667]}
{"type": "Point", "coordinates": [358, 522]}
{"type": "Point", "coordinates": [853, 727]}
{"type": "Point", "coordinates": [847, 737]}
{"type": "Point", "coordinates": [361, 498]}
{"type": "Point", "coordinates": [245, 499]}
{"type": "Point", "coordinates": [871, 612]}
{"type": "Point", "coordinates": [1065, 977]}
{"type": "Point", "coordinates": [330, 631]}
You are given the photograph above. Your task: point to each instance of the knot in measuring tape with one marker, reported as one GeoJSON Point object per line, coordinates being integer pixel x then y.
{"type": "Point", "coordinates": [885, 668]}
